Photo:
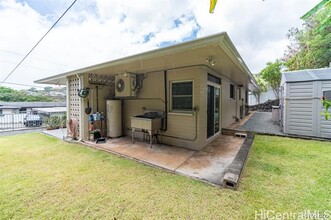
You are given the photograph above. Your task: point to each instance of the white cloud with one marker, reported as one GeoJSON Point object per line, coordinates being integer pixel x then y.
{"type": "Point", "coordinates": [95, 31]}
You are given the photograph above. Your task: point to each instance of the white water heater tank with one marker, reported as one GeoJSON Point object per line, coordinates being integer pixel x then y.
{"type": "Point", "coordinates": [114, 118]}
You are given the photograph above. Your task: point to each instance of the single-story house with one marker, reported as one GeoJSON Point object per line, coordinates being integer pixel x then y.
{"type": "Point", "coordinates": [51, 111]}
{"type": "Point", "coordinates": [8, 109]}
{"type": "Point", "coordinates": [198, 87]}
{"type": "Point", "coordinates": [301, 95]}
{"type": "Point", "coordinates": [26, 107]}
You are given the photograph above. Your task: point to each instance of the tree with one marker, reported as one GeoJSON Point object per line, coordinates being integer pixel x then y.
{"type": "Point", "coordinates": [32, 89]}
{"type": "Point", "coordinates": [310, 46]}
{"type": "Point", "coordinates": [48, 89]}
{"type": "Point", "coordinates": [6, 94]}
{"type": "Point", "coordinates": [272, 75]}
{"type": "Point", "coordinates": [4, 89]}
{"type": "Point", "coordinates": [263, 88]}
{"type": "Point", "coordinates": [11, 95]}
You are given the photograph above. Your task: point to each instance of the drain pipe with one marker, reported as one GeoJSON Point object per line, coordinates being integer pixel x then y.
{"type": "Point", "coordinates": [165, 119]}
{"type": "Point", "coordinates": [195, 109]}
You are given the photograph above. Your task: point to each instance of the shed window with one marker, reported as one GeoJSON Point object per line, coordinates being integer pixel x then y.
{"type": "Point", "coordinates": [327, 94]}
{"type": "Point", "coordinates": [182, 96]}
{"type": "Point", "coordinates": [232, 91]}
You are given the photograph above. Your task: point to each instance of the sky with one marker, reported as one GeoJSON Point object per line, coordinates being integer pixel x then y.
{"type": "Point", "coordinates": [96, 31]}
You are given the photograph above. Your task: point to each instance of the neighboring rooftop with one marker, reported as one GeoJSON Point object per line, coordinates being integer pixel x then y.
{"type": "Point", "coordinates": [307, 75]}
{"type": "Point", "coordinates": [31, 104]}
{"type": "Point", "coordinates": [51, 110]}
{"type": "Point", "coordinates": [8, 107]}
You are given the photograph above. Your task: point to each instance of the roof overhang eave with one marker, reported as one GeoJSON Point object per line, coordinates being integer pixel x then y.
{"type": "Point", "coordinates": [220, 40]}
{"type": "Point", "coordinates": [61, 78]}
{"type": "Point", "coordinates": [229, 48]}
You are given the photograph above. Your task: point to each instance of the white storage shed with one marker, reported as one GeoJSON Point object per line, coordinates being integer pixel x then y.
{"type": "Point", "coordinates": [301, 95]}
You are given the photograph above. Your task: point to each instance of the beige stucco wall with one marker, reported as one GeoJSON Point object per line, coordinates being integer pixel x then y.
{"type": "Point", "coordinates": [228, 104]}
{"type": "Point", "coordinates": [104, 93]}
{"type": "Point", "coordinates": [183, 129]}
{"type": "Point", "coordinates": [230, 108]}
{"type": "Point", "coordinates": [181, 126]}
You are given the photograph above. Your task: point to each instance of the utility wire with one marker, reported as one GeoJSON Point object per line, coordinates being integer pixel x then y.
{"type": "Point", "coordinates": [34, 67]}
{"type": "Point", "coordinates": [38, 42]}
{"type": "Point", "coordinates": [36, 58]}
{"type": "Point", "coordinates": [19, 84]}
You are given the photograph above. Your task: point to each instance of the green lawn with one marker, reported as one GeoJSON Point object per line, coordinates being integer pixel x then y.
{"type": "Point", "coordinates": [42, 177]}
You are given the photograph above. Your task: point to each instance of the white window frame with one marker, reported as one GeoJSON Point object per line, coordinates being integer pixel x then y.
{"type": "Point", "coordinates": [171, 97]}
{"type": "Point", "coordinates": [219, 86]}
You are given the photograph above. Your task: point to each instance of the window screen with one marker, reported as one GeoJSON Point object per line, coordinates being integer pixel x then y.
{"type": "Point", "coordinates": [327, 94]}
{"type": "Point", "coordinates": [182, 96]}
{"type": "Point", "coordinates": [231, 91]}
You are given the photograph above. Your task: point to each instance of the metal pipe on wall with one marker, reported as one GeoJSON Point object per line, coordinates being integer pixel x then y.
{"type": "Point", "coordinates": [187, 139]}
{"type": "Point", "coordinates": [165, 119]}
{"type": "Point", "coordinates": [166, 101]}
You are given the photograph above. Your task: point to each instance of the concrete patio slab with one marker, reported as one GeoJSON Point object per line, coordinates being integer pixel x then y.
{"type": "Point", "coordinates": [58, 133]}
{"type": "Point", "coordinates": [168, 157]}
{"type": "Point", "coordinates": [208, 164]}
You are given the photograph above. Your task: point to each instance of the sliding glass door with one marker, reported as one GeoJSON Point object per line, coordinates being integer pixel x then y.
{"type": "Point", "coordinates": [213, 110]}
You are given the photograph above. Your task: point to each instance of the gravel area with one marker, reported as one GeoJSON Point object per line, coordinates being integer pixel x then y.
{"type": "Point", "coordinates": [262, 122]}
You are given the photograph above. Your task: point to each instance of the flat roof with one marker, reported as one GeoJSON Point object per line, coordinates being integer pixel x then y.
{"type": "Point", "coordinates": [51, 110]}
{"type": "Point", "coordinates": [8, 107]}
{"type": "Point", "coordinates": [33, 104]}
{"type": "Point", "coordinates": [218, 47]}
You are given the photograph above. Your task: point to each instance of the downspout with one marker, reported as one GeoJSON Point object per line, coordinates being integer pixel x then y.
{"type": "Point", "coordinates": [236, 96]}
{"type": "Point", "coordinates": [195, 109]}
{"type": "Point", "coordinates": [165, 119]}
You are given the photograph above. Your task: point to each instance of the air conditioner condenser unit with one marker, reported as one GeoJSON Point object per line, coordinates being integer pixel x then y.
{"type": "Point", "coordinates": [125, 85]}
